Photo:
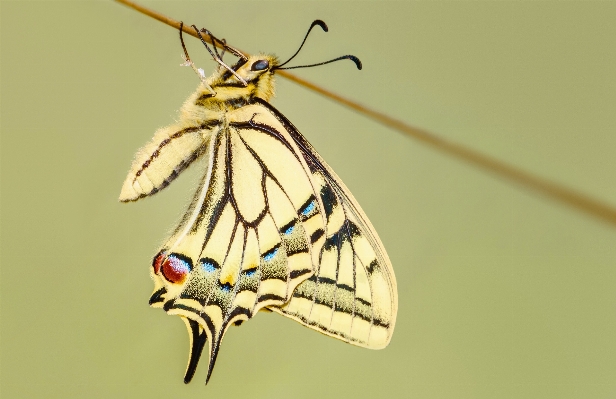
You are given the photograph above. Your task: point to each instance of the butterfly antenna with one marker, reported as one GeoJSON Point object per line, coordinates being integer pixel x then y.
{"type": "Point", "coordinates": [314, 23]}
{"type": "Point", "coordinates": [344, 57]}
{"type": "Point", "coordinates": [216, 57]}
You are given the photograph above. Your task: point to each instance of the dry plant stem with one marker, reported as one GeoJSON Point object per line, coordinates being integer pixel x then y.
{"type": "Point", "coordinates": [166, 20]}
{"type": "Point", "coordinates": [549, 189]}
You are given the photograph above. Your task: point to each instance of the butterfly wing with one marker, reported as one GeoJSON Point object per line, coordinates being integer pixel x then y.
{"type": "Point", "coordinates": [352, 295]}
{"type": "Point", "coordinates": [272, 226]}
{"type": "Point", "coordinates": [158, 163]}
{"type": "Point", "coordinates": [251, 235]}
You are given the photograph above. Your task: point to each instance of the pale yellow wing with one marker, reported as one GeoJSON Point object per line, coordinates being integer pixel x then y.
{"type": "Point", "coordinates": [353, 295]}
{"type": "Point", "coordinates": [160, 161]}
{"type": "Point", "coordinates": [252, 233]}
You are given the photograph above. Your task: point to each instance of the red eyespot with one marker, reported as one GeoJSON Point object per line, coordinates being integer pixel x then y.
{"type": "Point", "coordinates": [176, 268]}
{"type": "Point", "coordinates": [158, 260]}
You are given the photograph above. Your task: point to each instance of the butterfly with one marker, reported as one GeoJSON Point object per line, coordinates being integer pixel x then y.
{"type": "Point", "coordinates": [271, 226]}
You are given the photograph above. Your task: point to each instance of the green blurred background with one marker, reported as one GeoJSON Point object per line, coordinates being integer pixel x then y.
{"type": "Point", "coordinates": [502, 293]}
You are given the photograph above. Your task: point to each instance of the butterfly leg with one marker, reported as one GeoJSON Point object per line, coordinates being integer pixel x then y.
{"type": "Point", "coordinates": [225, 46]}
{"type": "Point", "coordinates": [188, 62]}
{"type": "Point", "coordinates": [213, 40]}
{"type": "Point", "coordinates": [216, 57]}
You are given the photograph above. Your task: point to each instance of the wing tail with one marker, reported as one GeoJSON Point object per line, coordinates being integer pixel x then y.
{"type": "Point", "coordinates": [197, 338]}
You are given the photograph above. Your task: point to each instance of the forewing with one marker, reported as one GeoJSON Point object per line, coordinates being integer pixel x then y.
{"type": "Point", "coordinates": [160, 161]}
{"type": "Point", "coordinates": [247, 239]}
{"type": "Point", "coordinates": [352, 295]}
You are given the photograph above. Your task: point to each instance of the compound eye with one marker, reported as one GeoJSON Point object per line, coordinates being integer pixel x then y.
{"type": "Point", "coordinates": [260, 65]}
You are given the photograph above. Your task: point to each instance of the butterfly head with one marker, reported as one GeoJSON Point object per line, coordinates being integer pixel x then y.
{"type": "Point", "coordinates": [251, 77]}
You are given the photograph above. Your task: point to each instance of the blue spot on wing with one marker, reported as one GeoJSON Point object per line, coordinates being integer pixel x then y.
{"type": "Point", "coordinates": [208, 267]}
{"type": "Point", "coordinates": [251, 272]}
{"type": "Point", "coordinates": [289, 230]}
{"type": "Point", "coordinates": [308, 209]}
{"type": "Point", "coordinates": [270, 255]}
